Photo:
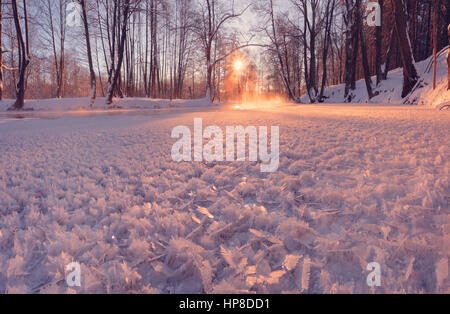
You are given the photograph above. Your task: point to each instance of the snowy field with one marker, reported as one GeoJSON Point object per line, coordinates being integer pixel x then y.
{"type": "Point", "coordinates": [356, 184]}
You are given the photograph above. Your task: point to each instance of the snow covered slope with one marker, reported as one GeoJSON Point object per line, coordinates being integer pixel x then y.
{"type": "Point", "coordinates": [391, 89]}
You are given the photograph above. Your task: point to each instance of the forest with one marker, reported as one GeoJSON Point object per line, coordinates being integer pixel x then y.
{"type": "Point", "coordinates": [186, 49]}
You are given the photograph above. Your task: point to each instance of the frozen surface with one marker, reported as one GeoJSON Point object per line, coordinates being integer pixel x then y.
{"type": "Point", "coordinates": [82, 104]}
{"type": "Point", "coordinates": [356, 184]}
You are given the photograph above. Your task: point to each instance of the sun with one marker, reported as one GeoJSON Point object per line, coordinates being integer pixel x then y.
{"type": "Point", "coordinates": [238, 65]}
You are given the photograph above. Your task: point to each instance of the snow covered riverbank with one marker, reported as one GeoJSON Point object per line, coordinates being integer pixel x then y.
{"type": "Point", "coordinates": [390, 90]}
{"type": "Point", "coordinates": [82, 104]}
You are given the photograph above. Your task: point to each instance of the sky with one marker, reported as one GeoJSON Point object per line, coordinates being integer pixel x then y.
{"type": "Point", "coordinates": [251, 20]}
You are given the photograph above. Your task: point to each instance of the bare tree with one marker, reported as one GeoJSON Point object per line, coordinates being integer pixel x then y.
{"type": "Point", "coordinates": [52, 31]}
{"type": "Point", "coordinates": [329, 14]}
{"type": "Point", "coordinates": [277, 33]}
{"type": "Point", "coordinates": [310, 9]}
{"type": "Point", "coordinates": [210, 23]}
{"type": "Point", "coordinates": [365, 62]}
{"type": "Point", "coordinates": [351, 47]}
{"type": "Point", "coordinates": [55, 36]}
{"type": "Point", "coordinates": [89, 52]}
{"type": "Point", "coordinates": [154, 80]}
{"type": "Point", "coordinates": [392, 43]}
{"type": "Point", "coordinates": [410, 76]}
{"type": "Point", "coordinates": [24, 53]}
{"type": "Point", "coordinates": [121, 10]}
{"type": "Point", "coordinates": [435, 39]}
{"type": "Point", "coordinates": [1, 50]}
{"type": "Point", "coordinates": [182, 51]}
{"type": "Point", "coordinates": [448, 58]}
{"type": "Point", "coordinates": [379, 44]}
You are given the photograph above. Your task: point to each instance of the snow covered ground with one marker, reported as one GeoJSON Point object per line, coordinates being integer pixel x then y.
{"type": "Point", "coordinates": [82, 104]}
{"type": "Point", "coordinates": [390, 91]}
{"type": "Point", "coordinates": [356, 184]}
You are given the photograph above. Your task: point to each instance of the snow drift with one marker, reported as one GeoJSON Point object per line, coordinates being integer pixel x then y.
{"type": "Point", "coordinates": [390, 90]}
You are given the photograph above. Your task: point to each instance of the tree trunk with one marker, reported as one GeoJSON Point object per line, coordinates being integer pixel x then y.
{"type": "Point", "coordinates": [410, 76]}
{"type": "Point", "coordinates": [209, 69]}
{"type": "Point", "coordinates": [448, 58]}
{"type": "Point", "coordinates": [154, 64]}
{"type": "Point", "coordinates": [414, 27]}
{"type": "Point", "coordinates": [114, 80]}
{"type": "Point", "coordinates": [309, 42]}
{"type": "Point", "coordinates": [89, 54]}
{"type": "Point", "coordinates": [429, 22]}
{"type": "Point", "coordinates": [313, 63]}
{"type": "Point", "coordinates": [305, 59]}
{"type": "Point", "coordinates": [355, 30]}
{"type": "Point", "coordinates": [98, 68]}
{"type": "Point", "coordinates": [55, 54]}
{"type": "Point", "coordinates": [1, 50]}
{"type": "Point", "coordinates": [327, 40]}
{"type": "Point", "coordinates": [62, 29]}
{"type": "Point", "coordinates": [351, 49]}
{"type": "Point", "coordinates": [145, 74]}
{"type": "Point", "coordinates": [24, 53]}
{"type": "Point", "coordinates": [389, 53]}
{"type": "Point", "coordinates": [435, 38]}
{"type": "Point", "coordinates": [379, 45]}
{"type": "Point", "coordinates": [365, 61]}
